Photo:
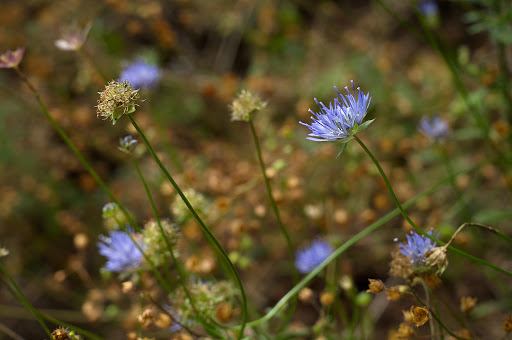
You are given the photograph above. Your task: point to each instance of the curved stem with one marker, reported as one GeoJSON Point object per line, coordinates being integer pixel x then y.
{"type": "Point", "coordinates": [205, 229]}
{"type": "Point", "coordinates": [340, 250]}
{"type": "Point", "coordinates": [179, 268]}
{"type": "Point", "coordinates": [23, 299]}
{"type": "Point", "coordinates": [416, 228]}
{"type": "Point", "coordinates": [289, 245]}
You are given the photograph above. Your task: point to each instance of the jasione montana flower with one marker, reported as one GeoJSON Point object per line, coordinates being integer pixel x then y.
{"type": "Point", "coordinates": [342, 119]}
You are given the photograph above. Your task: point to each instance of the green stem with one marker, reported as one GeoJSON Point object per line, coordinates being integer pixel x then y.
{"type": "Point", "coordinates": [291, 253]}
{"type": "Point", "coordinates": [200, 221]}
{"type": "Point", "coordinates": [427, 303]}
{"type": "Point", "coordinates": [345, 246]}
{"type": "Point", "coordinates": [23, 299]}
{"type": "Point", "coordinates": [416, 228]}
{"type": "Point", "coordinates": [179, 268]}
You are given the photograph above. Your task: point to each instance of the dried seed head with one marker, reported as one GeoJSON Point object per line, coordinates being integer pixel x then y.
{"type": "Point", "coordinates": [393, 293]}
{"type": "Point", "coordinates": [147, 318]}
{"type": "Point", "coordinates": [245, 105]}
{"type": "Point", "coordinates": [163, 321]}
{"type": "Point", "coordinates": [405, 331]}
{"type": "Point", "coordinates": [419, 315]}
{"type": "Point", "coordinates": [306, 295]}
{"type": "Point", "coordinates": [326, 299]}
{"type": "Point", "coordinates": [467, 303]}
{"type": "Point", "coordinates": [400, 266]}
{"type": "Point", "coordinates": [507, 324]}
{"type": "Point", "coordinates": [375, 286]}
{"type": "Point", "coordinates": [437, 258]}
{"type": "Point", "coordinates": [432, 280]}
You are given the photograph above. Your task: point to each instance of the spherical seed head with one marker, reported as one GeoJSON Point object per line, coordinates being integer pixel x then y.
{"type": "Point", "coordinates": [60, 334]}
{"type": "Point", "coordinates": [419, 315]}
{"type": "Point", "coordinates": [116, 100]}
{"type": "Point", "coordinates": [467, 303]}
{"type": "Point", "coordinates": [245, 105]}
{"type": "Point", "coordinates": [156, 244]}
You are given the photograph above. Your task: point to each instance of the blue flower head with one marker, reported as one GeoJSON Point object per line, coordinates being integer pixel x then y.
{"type": "Point", "coordinates": [428, 8]}
{"type": "Point", "coordinates": [309, 258]}
{"type": "Point", "coordinates": [342, 119]}
{"type": "Point", "coordinates": [127, 144]}
{"type": "Point", "coordinates": [121, 253]}
{"type": "Point", "coordinates": [434, 128]}
{"type": "Point", "coordinates": [417, 247]}
{"type": "Point", "coordinates": [141, 75]}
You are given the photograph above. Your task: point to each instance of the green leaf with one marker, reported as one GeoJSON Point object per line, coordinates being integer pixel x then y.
{"type": "Point", "coordinates": [343, 146]}
{"type": "Point", "coordinates": [363, 126]}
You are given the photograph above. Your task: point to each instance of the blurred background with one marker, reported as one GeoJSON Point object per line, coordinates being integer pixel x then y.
{"type": "Point", "coordinates": [288, 52]}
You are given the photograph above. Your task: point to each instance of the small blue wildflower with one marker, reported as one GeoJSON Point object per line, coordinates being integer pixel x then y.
{"type": "Point", "coordinates": [127, 144]}
{"type": "Point", "coordinates": [434, 128]}
{"type": "Point", "coordinates": [417, 247]}
{"type": "Point", "coordinates": [309, 258]}
{"type": "Point", "coordinates": [109, 209]}
{"type": "Point", "coordinates": [121, 252]}
{"type": "Point", "coordinates": [428, 8]}
{"type": "Point", "coordinates": [340, 120]}
{"type": "Point", "coordinates": [141, 75]}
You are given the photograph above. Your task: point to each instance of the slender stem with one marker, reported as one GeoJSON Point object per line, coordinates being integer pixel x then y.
{"type": "Point", "coordinates": [23, 299]}
{"type": "Point", "coordinates": [427, 303]}
{"type": "Point", "coordinates": [200, 221]}
{"type": "Point", "coordinates": [416, 228]}
{"type": "Point", "coordinates": [179, 268]}
{"type": "Point", "coordinates": [291, 253]}
{"type": "Point", "coordinates": [345, 246]}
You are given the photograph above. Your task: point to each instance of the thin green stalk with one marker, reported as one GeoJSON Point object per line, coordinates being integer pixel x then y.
{"type": "Point", "coordinates": [200, 221]}
{"type": "Point", "coordinates": [24, 299]}
{"type": "Point", "coordinates": [427, 303]}
{"type": "Point", "coordinates": [345, 246]}
{"type": "Point", "coordinates": [179, 268]}
{"type": "Point", "coordinates": [416, 228]}
{"type": "Point", "coordinates": [291, 254]}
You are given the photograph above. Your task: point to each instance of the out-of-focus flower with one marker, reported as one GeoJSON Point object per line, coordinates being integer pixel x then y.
{"type": "Point", "coordinates": [73, 39]}
{"type": "Point", "coordinates": [109, 209]}
{"type": "Point", "coordinates": [428, 8]}
{"type": "Point", "coordinates": [141, 75]}
{"type": "Point", "coordinates": [342, 119]}
{"type": "Point", "coordinates": [3, 252]}
{"type": "Point", "coordinates": [116, 100]}
{"type": "Point", "coordinates": [417, 247]}
{"type": "Point", "coordinates": [155, 242]}
{"type": "Point", "coordinates": [127, 144]}
{"type": "Point", "coordinates": [11, 59]}
{"type": "Point", "coordinates": [121, 252]}
{"type": "Point", "coordinates": [434, 128]}
{"type": "Point", "coordinates": [309, 258]}
{"type": "Point", "coordinates": [375, 286]}
{"type": "Point", "coordinates": [197, 200]}
{"type": "Point", "coordinates": [245, 105]}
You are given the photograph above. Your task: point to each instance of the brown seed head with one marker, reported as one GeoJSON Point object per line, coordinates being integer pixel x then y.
{"type": "Point", "coordinates": [405, 331]}
{"type": "Point", "coordinates": [306, 295]}
{"type": "Point", "coordinates": [507, 324]}
{"type": "Point", "coordinates": [437, 258]}
{"type": "Point", "coordinates": [60, 334]}
{"type": "Point", "coordinates": [419, 315]}
{"type": "Point", "coordinates": [375, 286]}
{"type": "Point", "coordinates": [326, 299]}
{"type": "Point", "coordinates": [467, 303]}
{"type": "Point", "coordinates": [393, 293]}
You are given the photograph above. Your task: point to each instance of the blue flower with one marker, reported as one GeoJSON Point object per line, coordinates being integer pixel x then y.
{"type": "Point", "coordinates": [127, 144]}
{"type": "Point", "coordinates": [342, 119]}
{"type": "Point", "coordinates": [428, 8]}
{"type": "Point", "coordinates": [434, 128]}
{"type": "Point", "coordinates": [121, 252]}
{"type": "Point", "coordinates": [309, 258]}
{"type": "Point", "coordinates": [417, 247]}
{"type": "Point", "coordinates": [141, 75]}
